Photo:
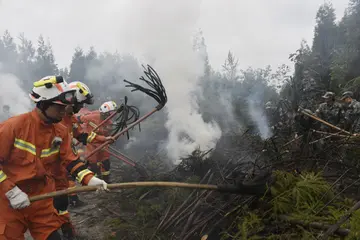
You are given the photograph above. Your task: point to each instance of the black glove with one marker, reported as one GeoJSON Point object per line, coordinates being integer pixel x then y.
{"type": "Point", "coordinates": [83, 138]}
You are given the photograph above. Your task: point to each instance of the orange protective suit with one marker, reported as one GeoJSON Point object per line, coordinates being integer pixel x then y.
{"type": "Point", "coordinates": [75, 131]}
{"type": "Point", "coordinates": [83, 111]}
{"type": "Point", "coordinates": [99, 162]}
{"type": "Point", "coordinates": [62, 179]}
{"type": "Point", "coordinates": [30, 153]}
{"type": "Point", "coordinates": [81, 152]}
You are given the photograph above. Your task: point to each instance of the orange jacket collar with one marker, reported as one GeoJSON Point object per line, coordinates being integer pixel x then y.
{"type": "Point", "coordinates": [35, 115]}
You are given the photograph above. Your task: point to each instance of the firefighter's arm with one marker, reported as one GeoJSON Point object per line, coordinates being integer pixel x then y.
{"type": "Point", "coordinates": [86, 138]}
{"type": "Point", "coordinates": [97, 138]}
{"type": "Point", "coordinates": [93, 137]}
{"type": "Point", "coordinates": [7, 133]}
{"type": "Point", "coordinates": [71, 161]}
{"type": "Point", "coordinates": [76, 167]}
{"type": "Point", "coordinates": [83, 118]}
{"type": "Point", "coordinates": [80, 135]}
{"type": "Point", "coordinates": [101, 139]}
{"type": "Point", "coordinates": [17, 198]}
{"type": "Point", "coordinates": [78, 131]}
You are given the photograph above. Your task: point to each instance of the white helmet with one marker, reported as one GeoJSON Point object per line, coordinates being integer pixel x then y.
{"type": "Point", "coordinates": [52, 89]}
{"type": "Point", "coordinates": [82, 94]}
{"type": "Point", "coordinates": [108, 107]}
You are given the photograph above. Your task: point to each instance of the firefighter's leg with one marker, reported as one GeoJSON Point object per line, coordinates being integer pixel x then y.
{"type": "Point", "coordinates": [100, 169]}
{"type": "Point", "coordinates": [106, 170]}
{"type": "Point", "coordinates": [54, 236]}
{"type": "Point", "coordinates": [61, 204]}
{"type": "Point", "coordinates": [12, 222]}
{"type": "Point", "coordinates": [74, 200]}
{"type": "Point", "coordinates": [40, 217]}
{"type": "Point", "coordinates": [95, 169]}
{"type": "Point", "coordinates": [94, 166]}
{"type": "Point", "coordinates": [44, 219]}
{"type": "Point", "coordinates": [68, 231]}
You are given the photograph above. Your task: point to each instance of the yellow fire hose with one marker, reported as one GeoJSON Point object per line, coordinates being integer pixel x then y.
{"type": "Point", "coordinates": [241, 189]}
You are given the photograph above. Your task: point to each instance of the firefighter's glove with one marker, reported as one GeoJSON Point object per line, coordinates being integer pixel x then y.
{"type": "Point", "coordinates": [18, 199]}
{"type": "Point", "coordinates": [111, 139]}
{"type": "Point", "coordinates": [94, 181]}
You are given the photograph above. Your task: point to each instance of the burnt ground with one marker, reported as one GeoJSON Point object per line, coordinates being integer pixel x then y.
{"type": "Point", "coordinates": [144, 213]}
{"type": "Point", "coordinates": [171, 213]}
{"type": "Point", "coordinates": [92, 221]}
{"type": "Point", "coordinates": [115, 214]}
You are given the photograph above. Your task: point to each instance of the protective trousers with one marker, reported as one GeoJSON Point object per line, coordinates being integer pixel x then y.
{"type": "Point", "coordinates": [73, 197]}
{"type": "Point", "coordinates": [105, 170]}
{"type": "Point", "coordinates": [61, 204]}
{"type": "Point", "coordinates": [99, 162]}
{"type": "Point", "coordinates": [40, 217]}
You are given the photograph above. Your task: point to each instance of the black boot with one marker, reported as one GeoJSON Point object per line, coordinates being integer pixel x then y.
{"type": "Point", "coordinates": [68, 231]}
{"type": "Point", "coordinates": [54, 236]}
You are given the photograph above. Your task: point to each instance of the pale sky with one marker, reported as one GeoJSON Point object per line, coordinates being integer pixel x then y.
{"type": "Point", "coordinates": [259, 32]}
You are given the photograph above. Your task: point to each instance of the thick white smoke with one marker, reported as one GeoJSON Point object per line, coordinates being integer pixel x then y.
{"type": "Point", "coordinates": [258, 115]}
{"type": "Point", "coordinates": [231, 125]}
{"type": "Point", "coordinates": [163, 35]}
{"type": "Point", "coordinates": [12, 95]}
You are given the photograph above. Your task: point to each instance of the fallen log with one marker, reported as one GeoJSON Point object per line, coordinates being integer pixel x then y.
{"type": "Point", "coordinates": [335, 227]}
{"type": "Point", "coordinates": [321, 226]}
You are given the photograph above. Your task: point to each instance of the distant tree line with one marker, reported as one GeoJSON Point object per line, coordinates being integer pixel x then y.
{"type": "Point", "coordinates": [332, 63]}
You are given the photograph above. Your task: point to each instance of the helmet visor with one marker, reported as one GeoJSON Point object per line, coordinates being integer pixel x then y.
{"type": "Point", "coordinates": [89, 99]}
{"type": "Point", "coordinates": [65, 98]}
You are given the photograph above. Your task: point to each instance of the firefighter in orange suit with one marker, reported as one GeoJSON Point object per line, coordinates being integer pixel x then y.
{"type": "Point", "coordinates": [62, 179]}
{"type": "Point", "coordinates": [31, 145]}
{"type": "Point", "coordinates": [100, 162]}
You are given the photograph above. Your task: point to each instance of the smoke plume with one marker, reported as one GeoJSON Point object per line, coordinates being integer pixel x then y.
{"type": "Point", "coordinates": [258, 116]}
{"type": "Point", "coordinates": [164, 38]}
{"type": "Point", "coordinates": [12, 95]}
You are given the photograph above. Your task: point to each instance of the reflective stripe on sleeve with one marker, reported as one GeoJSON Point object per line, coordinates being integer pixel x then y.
{"type": "Point", "coordinates": [2, 176]}
{"type": "Point", "coordinates": [91, 137]}
{"type": "Point", "coordinates": [26, 146]}
{"type": "Point", "coordinates": [82, 174]}
{"type": "Point", "coordinates": [49, 151]}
